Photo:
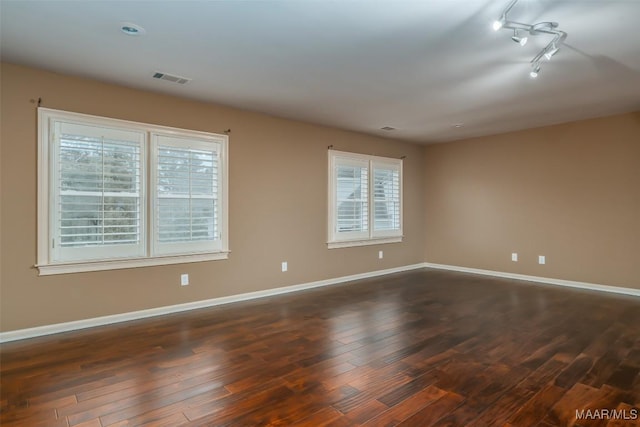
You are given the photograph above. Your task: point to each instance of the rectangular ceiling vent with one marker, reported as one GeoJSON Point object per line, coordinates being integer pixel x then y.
{"type": "Point", "coordinates": [171, 78]}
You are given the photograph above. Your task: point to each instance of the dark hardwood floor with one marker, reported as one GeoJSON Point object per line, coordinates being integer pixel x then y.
{"type": "Point", "coordinates": [423, 348]}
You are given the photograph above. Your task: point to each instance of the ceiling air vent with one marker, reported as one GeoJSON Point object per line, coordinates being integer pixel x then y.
{"type": "Point", "coordinates": [387, 128]}
{"type": "Point", "coordinates": [171, 78]}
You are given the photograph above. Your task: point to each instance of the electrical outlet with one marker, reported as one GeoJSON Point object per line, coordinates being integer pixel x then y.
{"type": "Point", "coordinates": [380, 254]}
{"type": "Point", "coordinates": [542, 259]}
{"type": "Point", "coordinates": [284, 266]}
{"type": "Point", "coordinates": [514, 257]}
{"type": "Point", "coordinates": [184, 279]}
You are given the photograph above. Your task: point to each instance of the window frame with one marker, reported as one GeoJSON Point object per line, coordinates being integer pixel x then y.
{"type": "Point", "coordinates": [47, 201]}
{"type": "Point", "coordinates": [371, 236]}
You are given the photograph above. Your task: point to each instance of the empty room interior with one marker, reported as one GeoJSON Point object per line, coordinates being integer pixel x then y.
{"type": "Point", "coordinates": [292, 213]}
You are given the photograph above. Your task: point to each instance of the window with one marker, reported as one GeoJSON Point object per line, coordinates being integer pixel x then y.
{"type": "Point", "coordinates": [117, 194]}
{"type": "Point", "coordinates": [365, 200]}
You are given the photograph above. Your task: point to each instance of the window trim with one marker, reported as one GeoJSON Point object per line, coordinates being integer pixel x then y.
{"type": "Point", "coordinates": [374, 238]}
{"type": "Point", "coordinates": [46, 196]}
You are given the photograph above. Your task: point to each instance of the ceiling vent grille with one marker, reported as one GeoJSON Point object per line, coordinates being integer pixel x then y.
{"type": "Point", "coordinates": [171, 78]}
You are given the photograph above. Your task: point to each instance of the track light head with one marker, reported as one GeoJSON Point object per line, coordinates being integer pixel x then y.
{"type": "Point", "coordinates": [534, 71]}
{"type": "Point", "coordinates": [520, 40]}
{"type": "Point", "coordinates": [550, 51]}
{"type": "Point", "coordinates": [498, 24]}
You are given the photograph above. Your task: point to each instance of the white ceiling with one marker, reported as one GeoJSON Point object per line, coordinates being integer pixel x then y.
{"type": "Point", "coordinates": [418, 66]}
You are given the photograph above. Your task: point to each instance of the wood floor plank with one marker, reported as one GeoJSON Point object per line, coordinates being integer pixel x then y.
{"type": "Point", "coordinates": [320, 418]}
{"type": "Point", "coordinates": [574, 372]}
{"type": "Point", "coordinates": [91, 423]}
{"type": "Point", "coordinates": [235, 405]}
{"type": "Point", "coordinates": [290, 408]}
{"type": "Point", "coordinates": [430, 414]}
{"type": "Point", "coordinates": [372, 390]}
{"type": "Point", "coordinates": [408, 389]}
{"type": "Point", "coordinates": [623, 377]}
{"type": "Point", "coordinates": [543, 353]}
{"type": "Point", "coordinates": [503, 409]}
{"type": "Point", "coordinates": [546, 373]}
{"type": "Point", "coordinates": [154, 419]}
{"type": "Point", "coordinates": [579, 397]}
{"type": "Point", "coordinates": [583, 397]}
{"type": "Point", "coordinates": [147, 391]}
{"type": "Point", "coordinates": [366, 412]}
{"type": "Point", "coordinates": [628, 416]}
{"type": "Point", "coordinates": [302, 378]}
{"type": "Point", "coordinates": [420, 348]}
{"type": "Point", "coordinates": [536, 409]}
{"type": "Point", "coordinates": [408, 407]}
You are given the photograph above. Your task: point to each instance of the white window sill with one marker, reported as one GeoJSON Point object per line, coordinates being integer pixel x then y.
{"type": "Point", "coordinates": [366, 242]}
{"type": "Point", "coordinates": [81, 267]}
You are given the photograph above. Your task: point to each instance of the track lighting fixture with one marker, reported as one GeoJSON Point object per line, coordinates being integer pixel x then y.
{"type": "Point", "coordinates": [520, 40]}
{"type": "Point", "coordinates": [540, 28]}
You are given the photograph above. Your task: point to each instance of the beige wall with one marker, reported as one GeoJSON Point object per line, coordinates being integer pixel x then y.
{"type": "Point", "coordinates": [277, 204]}
{"type": "Point", "coordinates": [570, 192]}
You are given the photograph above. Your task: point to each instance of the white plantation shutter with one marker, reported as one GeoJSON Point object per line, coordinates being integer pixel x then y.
{"type": "Point", "coordinates": [97, 192]}
{"type": "Point", "coordinates": [365, 199]}
{"type": "Point", "coordinates": [352, 198]}
{"type": "Point", "coordinates": [187, 181]}
{"type": "Point", "coordinates": [386, 196]}
{"type": "Point", "coordinates": [349, 216]}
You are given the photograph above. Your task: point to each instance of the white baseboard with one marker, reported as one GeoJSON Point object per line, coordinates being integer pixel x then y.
{"type": "Point", "coordinates": [21, 334]}
{"type": "Point", "coordinates": [547, 280]}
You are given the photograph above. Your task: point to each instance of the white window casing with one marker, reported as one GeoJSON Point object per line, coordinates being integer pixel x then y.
{"type": "Point", "coordinates": [120, 194]}
{"type": "Point", "coordinates": [365, 200]}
